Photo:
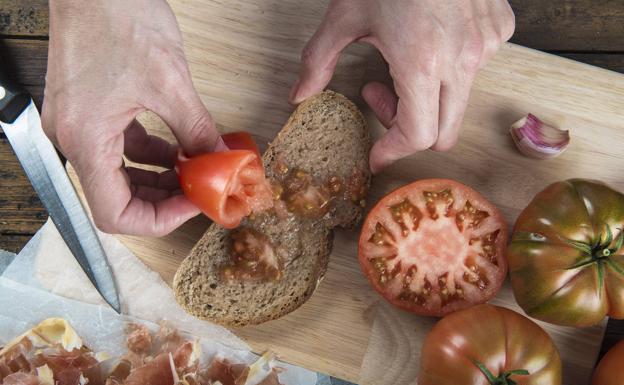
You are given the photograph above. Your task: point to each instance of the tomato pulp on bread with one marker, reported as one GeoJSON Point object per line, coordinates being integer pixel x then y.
{"type": "Point", "coordinates": [434, 246]}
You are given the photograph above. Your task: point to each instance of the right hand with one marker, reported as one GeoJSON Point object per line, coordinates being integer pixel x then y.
{"type": "Point", "coordinates": [108, 61]}
{"type": "Point", "coordinates": [433, 48]}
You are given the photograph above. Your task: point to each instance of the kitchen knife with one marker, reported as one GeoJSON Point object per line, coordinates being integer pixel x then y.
{"type": "Point", "coordinates": [22, 126]}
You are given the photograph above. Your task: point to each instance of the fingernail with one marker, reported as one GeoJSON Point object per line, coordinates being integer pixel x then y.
{"type": "Point", "coordinates": [292, 97]}
{"type": "Point", "coordinates": [220, 145]}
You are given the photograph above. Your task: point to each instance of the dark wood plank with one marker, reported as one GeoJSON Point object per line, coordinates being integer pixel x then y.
{"type": "Point", "coordinates": [570, 25]}
{"type": "Point", "coordinates": [587, 25]}
{"type": "Point", "coordinates": [614, 334]}
{"type": "Point", "coordinates": [24, 18]}
{"type": "Point", "coordinates": [25, 60]}
{"type": "Point", "coordinates": [21, 212]}
{"type": "Point", "coordinates": [13, 243]}
{"type": "Point", "coordinates": [613, 62]}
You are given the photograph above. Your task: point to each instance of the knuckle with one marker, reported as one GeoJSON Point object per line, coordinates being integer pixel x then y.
{"type": "Point", "coordinates": [428, 64]}
{"type": "Point", "coordinates": [159, 230]}
{"type": "Point", "coordinates": [169, 69]}
{"type": "Point", "coordinates": [308, 54]}
{"type": "Point", "coordinates": [445, 144]}
{"type": "Point", "coordinates": [417, 141]}
{"type": "Point", "coordinates": [105, 223]}
{"type": "Point", "coordinates": [474, 49]}
{"type": "Point", "coordinates": [509, 24]}
{"type": "Point", "coordinates": [59, 128]}
{"type": "Point", "coordinates": [198, 127]}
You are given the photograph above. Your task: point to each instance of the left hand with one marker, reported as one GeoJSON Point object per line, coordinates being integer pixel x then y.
{"type": "Point", "coordinates": [433, 48]}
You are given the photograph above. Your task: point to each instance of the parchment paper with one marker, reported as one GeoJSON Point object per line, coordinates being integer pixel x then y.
{"type": "Point", "coordinates": [45, 280]}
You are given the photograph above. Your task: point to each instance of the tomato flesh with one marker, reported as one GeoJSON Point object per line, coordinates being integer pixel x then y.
{"type": "Point", "coordinates": [227, 186]}
{"type": "Point", "coordinates": [433, 247]}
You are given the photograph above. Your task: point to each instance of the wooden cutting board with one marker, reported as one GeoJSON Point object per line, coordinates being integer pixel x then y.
{"type": "Point", "coordinates": [244, 56]}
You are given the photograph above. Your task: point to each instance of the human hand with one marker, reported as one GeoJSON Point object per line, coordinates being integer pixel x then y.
{"type": "Point", "coordinates": [108, 61]}
{"type": "Point", "coordinates": [433, 48]}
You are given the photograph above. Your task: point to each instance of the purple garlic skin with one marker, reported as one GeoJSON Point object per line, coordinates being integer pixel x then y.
{"type": "Point", "coordinates": [538, 140]}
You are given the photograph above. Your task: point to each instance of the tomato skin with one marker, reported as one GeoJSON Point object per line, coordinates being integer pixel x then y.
{"type": "Point", "coordinates": [229, 185]}
{"type": "Point", "coordinates": [610, 370]}
{"type": "Point", "coordinates": [499, 338]}
{"type": "Point", "coordinates": [240, 141]}
{"type": "Point", "coordinates": [410, 197]}
{"type": "Point", "coordinates": [542, 259]}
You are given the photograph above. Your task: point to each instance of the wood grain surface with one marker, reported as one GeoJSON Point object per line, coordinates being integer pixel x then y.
{"type": "Point", "coordinates": [244, 56]}
{"type": "Point", "coordinates": [24, 18]}
{"type": "Point", "coordinates": [345, 329]}
{"type": "Point", "coordinates": [574, 29]}
{"type": "Point", "coordinates": [572, 25]}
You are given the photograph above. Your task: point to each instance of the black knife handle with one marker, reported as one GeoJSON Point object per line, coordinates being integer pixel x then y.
{"type": "Point", "coordinates": [13, 99]}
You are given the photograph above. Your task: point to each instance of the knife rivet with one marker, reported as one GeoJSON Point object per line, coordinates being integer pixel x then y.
{"type": "Point", "coordinates": [2, 92]}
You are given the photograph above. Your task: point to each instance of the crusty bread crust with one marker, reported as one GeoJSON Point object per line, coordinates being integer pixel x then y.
{"type": "Point", "coordinates": [325, 136]}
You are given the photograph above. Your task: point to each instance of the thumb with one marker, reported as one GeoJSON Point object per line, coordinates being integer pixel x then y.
{"type": "Point", "coordinates": [192, 124]}
{"type": "Point", "coordinates": [320, 56]}
{"type": "Point", "coordinates": [179, 105]}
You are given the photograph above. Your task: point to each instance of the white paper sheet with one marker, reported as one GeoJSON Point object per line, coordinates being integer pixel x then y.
{"type": "Point", "coordinates": [46, 263]}
{"type": "Point", "coordinates": [44, 281]}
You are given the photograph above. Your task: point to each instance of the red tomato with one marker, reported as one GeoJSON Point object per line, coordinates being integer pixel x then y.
{"type": "Point", "coordinates": [227, 186]}
{"type": "Point", "coordinates": [610, 370]}
{"type": "Point", "coordinates": [240, 141]}
{"type": "Point", "coordinates": [488, 345]}
{"type": "Point", "coordinates": [433, 247]}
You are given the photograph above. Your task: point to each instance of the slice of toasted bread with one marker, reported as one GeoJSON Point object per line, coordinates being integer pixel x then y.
{"type": "Point", "coordinates": [325, 137]}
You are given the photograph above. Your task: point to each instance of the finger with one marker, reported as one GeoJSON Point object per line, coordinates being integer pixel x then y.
{"type": "Point", "coordinates": [172, 96]}
{"type": "Point", "coordinates": [167, 180]}
{"type": "Point", "coordinates": [382, 100]}
{"type": "Point", "coordinates": [506, 21]}
{"type": "Point", "coordinates": [192, 125]}
{"type": "Point", "coordinates": [140, 147]}
{"type": "Point", "coordinates": [149, 194]}
{"type": "Point", "coordinates": [415, 127]}
{"type": "Point", "coordinates": [116, 210]}
{"type": "Point", "coordinates": [156, 219]}
{"type": "Point", "coordinates": [453, 102]}
{"type": "Point", "coordinates": [320, 56]}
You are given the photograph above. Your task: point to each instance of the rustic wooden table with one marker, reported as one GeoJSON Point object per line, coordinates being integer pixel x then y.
{"type": "Point", "coordinates": [589, 31]}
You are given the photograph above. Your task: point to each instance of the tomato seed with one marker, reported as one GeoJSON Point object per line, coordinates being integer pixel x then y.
{"type": "Point", "coordinates": [471, 215]}
{"type": "Point", "coordinates": [433, 198]}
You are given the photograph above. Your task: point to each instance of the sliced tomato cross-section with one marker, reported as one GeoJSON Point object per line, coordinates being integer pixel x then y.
{"type": "Point", "coordinates": [229, 185]}
{"type": "Point", "coordinates": [434, 246]}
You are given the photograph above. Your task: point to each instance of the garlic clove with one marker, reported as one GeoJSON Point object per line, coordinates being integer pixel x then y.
{"type": "Point", "coordinates": [538, 140]}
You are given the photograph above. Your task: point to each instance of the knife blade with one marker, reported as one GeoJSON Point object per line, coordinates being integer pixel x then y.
{"type": "Point", "coordinates": [21, 123]}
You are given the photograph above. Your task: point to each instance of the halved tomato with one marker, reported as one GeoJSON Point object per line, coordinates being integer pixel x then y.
{"type": "Point", "coordinates": [227, 186]}
{"type": "Point", "coordinates": [433, 247]}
